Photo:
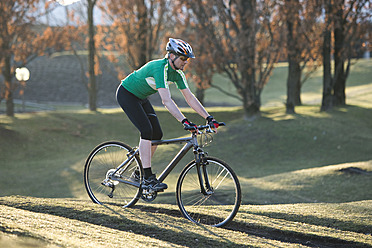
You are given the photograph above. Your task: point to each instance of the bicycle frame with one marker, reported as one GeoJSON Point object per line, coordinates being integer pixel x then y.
{"type": "Point", "coordinates": [199, 156]}
{"type": "Point", "coordinates": [190, 142]}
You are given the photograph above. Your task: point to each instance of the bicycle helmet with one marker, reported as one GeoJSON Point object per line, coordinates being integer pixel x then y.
{"type": "Point", "coordinates": [179, 47]}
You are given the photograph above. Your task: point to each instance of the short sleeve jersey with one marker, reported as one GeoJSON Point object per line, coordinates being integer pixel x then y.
{"type": "Point", "coordinates": [152, 76]}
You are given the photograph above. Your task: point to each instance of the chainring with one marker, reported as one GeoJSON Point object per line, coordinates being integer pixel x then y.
{"type": "Point", "coordinates": [148, 195]}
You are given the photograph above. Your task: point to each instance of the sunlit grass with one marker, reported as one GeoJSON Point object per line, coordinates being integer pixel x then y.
{"type": "Point", "coordinates": [68, 222]}
{"type": "Point", "coordinates": [319, 184]}
{"type": "Point", "coordinates": [275, 92]}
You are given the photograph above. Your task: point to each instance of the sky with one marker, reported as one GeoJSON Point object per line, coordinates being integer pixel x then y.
{"type": "Point", "coordinates": [57, 17]}
{"type": "Point", "coordinates": [66, 2]}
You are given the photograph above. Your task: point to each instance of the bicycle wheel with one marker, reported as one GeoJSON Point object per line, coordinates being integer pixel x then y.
{"type": "Point", "coordinates": [100, 182]}
{"type": "Point", "coordinates": [215, 208]}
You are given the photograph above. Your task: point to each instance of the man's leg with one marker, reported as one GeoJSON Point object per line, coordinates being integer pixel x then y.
{"type": "Point", "coordinates": [157, 133]}
{"type": "Point", "coordinates": [145, 151]}
{"type": "Point", "coordinates": [143, 116]}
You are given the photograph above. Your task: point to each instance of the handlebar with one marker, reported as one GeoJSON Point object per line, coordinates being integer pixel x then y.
{"type": "Point", "coordinates": [202, 127]}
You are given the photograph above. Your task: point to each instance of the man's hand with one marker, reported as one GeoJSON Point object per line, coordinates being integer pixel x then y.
{"type": "Point", "coordinates": [212, 122]}
{"type": "Point", "coordinates": [188, 125]}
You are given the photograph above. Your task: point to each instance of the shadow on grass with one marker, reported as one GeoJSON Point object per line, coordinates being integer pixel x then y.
{"type": "Point", "coordinates": [9, 135]}
{"type": "Point", "coordinates": [286, 236]}
{"type": "Point", "coordinates": [307, 239]}
{"type": "Point", "coordinates": [314, 220]}
{"type": "Point", "coordinates": [121, 223]}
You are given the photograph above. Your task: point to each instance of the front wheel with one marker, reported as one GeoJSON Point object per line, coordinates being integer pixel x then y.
{"type": "Point", "coordinates": [217, 200]}
{"type": "Point", "coordinates": [107, 185]}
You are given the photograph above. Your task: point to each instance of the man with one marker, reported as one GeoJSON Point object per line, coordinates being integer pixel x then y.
{"type": "Point", "coordinates": [154, 77]}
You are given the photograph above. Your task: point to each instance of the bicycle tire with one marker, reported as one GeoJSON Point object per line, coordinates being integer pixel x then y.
{"type": "Point", "coordinates": [102, 161]}
{"type": "Point", "coordinates": [216, 209]}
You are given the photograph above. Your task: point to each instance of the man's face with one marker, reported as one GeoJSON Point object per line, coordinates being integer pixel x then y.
{"type": "Point", "coordinates": [180, 61]}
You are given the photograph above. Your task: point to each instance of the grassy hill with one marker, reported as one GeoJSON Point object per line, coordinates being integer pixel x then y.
{"type": "Point", "coordinates": [305, 178]}
{"type": "Point", "coordinates": [295, 191]}
{"type": "Point", "coordinates": [76, 223]}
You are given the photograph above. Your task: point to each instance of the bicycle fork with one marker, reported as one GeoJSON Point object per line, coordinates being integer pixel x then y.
{"type": "Point", "coordinates": [201, 168]}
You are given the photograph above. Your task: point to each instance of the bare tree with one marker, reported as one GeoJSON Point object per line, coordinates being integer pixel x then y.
{"type": "Point", "coordinates": [202, 69]}
{"type": "Point", "coordinates": [92, 85]}
{"type": "Point", "coordinates": [300, 18]}
{"type": "Point", "coordinates": [14, 27]}
{"type": "Point", "coordinates": [326, 51]}
{"type": "Point", "coordinates": [136, 28]}
{"type": "Point", "coordinates": [348, 16]}
{"type": "Point", "coordinates": [20, 41]}
{"type": "Point", "coordinates": [243, 40]}
{"type": "Point", "coordinates": [344, 18]}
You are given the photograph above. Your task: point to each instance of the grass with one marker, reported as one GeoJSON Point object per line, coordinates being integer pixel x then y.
{"type": "Point", "coordinates": [274, 93]}
{"type": "Point", "coordinates": [298, 188]}
{"type": "Point", "coordinates": [73, 223]}
{"type": "Point", "coordinates": [50, 147]}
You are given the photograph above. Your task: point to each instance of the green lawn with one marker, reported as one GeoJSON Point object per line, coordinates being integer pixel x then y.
{"type": "Point", "coordinates": [274, 93]}
{"type": "Point", "coordinates": [279, 158]}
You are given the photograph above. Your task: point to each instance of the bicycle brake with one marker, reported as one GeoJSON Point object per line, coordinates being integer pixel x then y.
{"type": "Point", "coordinates": [205, 160]}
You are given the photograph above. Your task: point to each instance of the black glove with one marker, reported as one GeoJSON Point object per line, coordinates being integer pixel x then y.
{"type": "Point", "coordinates": [188, 125]}
{"type": "Point", "coordinates": [212, 122]}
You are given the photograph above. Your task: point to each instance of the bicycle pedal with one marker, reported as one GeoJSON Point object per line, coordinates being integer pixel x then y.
{"type": "Point", "coordinates": [150, 189]}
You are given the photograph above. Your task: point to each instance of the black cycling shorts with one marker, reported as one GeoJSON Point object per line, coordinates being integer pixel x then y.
{"type": "Point", "coordinates": [141, 113]}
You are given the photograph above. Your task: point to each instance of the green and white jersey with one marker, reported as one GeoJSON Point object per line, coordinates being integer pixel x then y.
{"type": "Point", "coordinates": [152, 76]}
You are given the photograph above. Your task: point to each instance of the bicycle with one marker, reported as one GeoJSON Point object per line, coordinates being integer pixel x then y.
{"type": "Point", "coordinates": [113, 174]}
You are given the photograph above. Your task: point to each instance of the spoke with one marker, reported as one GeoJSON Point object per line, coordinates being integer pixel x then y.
{"type": "Point", "coordinates": [192, 198]}
{"type": "Point", "coordinates": [202, 200]}
{"type": "Point", "coordinates": [101, 164]}
{"type": "Point", "coordinates": [227, 173]}
{"type": "Point", "coordinates": [202, 208]}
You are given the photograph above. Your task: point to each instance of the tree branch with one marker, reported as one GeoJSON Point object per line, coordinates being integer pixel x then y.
{"type": "Point", "coordinates": [226, 92]}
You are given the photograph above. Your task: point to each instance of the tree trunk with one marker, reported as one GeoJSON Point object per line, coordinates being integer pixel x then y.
{"type": "Point", "coordinates": [141, 41]}
{"type": "Point", "coordinates": [298, 74]}
{"type": "Point", "coordinates": [294, 69]}
{"type": "Point", "coordinates": [293, 86]}
{"type": "Point", "coordinates": [251, 108]}
{"type": "Point", "coordinates": [339, 41]}
{"type": "Point", "coordinates": [247, 38]}
{"type": "Point", "coordinates": [92, 85]}
{"type": "Point", "coordinates": [200, 93]}
{"type": "Point", "coordinates": [327, 76]}
{"type": "Point", "coordinates": [8, 87]}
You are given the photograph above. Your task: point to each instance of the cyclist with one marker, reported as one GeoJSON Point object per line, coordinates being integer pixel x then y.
{"type": "Point", "coordinates": [153, 77]}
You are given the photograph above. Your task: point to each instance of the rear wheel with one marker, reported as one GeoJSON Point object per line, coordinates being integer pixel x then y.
{"type": "Point", "coordinates": [105, 187]}
{"type": "Point", "coordinates": [218, 205]}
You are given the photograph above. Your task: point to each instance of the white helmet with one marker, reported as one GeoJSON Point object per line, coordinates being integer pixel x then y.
{"type": "Point", "coordinates": [179, 47]}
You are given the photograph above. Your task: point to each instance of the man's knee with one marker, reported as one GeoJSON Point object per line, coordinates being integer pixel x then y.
{"type": "Point", "coordinates": [157, 135]}
{"type": "Point", "coordinates": [147, 133]}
